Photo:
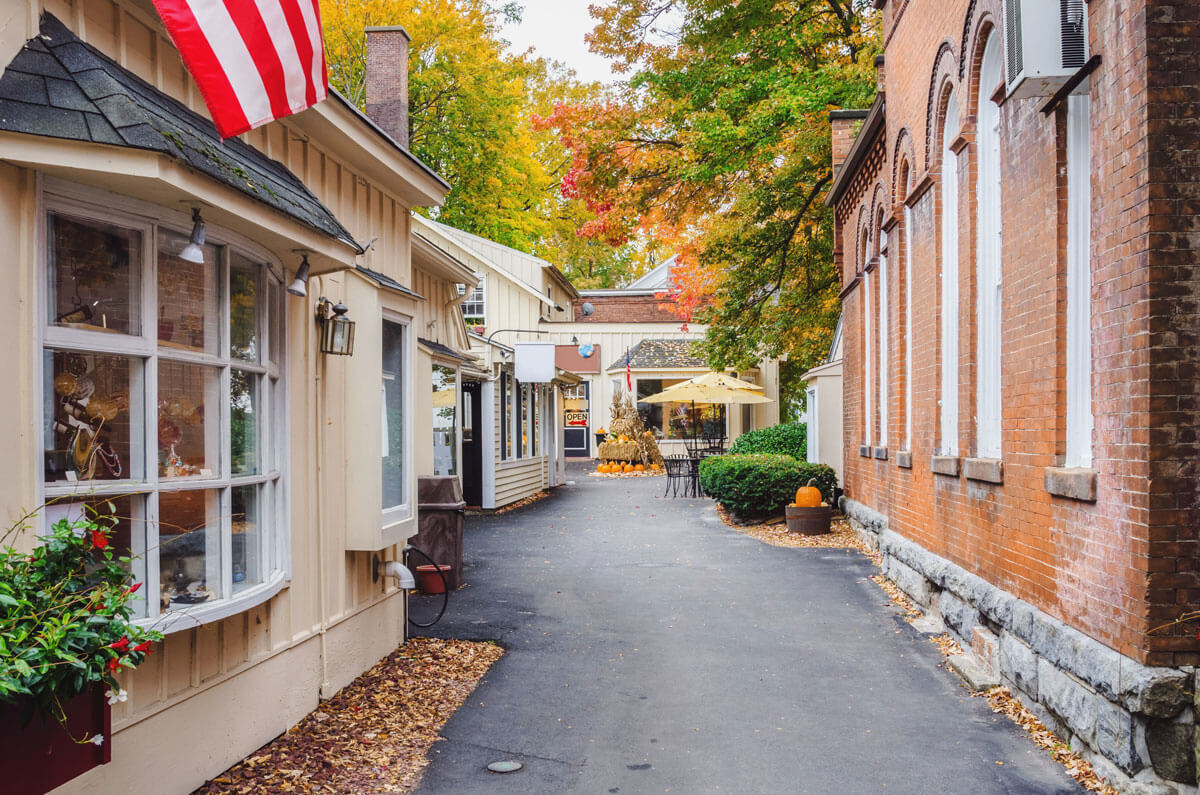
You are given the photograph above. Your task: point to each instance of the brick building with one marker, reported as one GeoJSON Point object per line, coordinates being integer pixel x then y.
{"type": "Point", "coordinates": [1021, 318]}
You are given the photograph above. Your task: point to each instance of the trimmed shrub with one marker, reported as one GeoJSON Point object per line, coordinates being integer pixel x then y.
{"type": "Point", "coordinates": [761, 485]}
{"type": "Point", "coordinates": [791, 439]}
{"type": "Point", "coordinates": [750, 485]}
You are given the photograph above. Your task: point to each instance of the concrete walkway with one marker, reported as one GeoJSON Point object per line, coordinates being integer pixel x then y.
{"type": "Point", "coordinates": [651, 649]}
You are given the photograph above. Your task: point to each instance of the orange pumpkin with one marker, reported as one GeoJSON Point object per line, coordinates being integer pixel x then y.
{"type": "Point", "coordinates": [808, 496]}
{"type": "Point", "coordinates": [639, 468]}
{"type": "Point", "coordinates": [629, 467]}
{"type": "Point", "coordinates": [603, 469]}
{"type": "Point", "coordinates": [655, 467]}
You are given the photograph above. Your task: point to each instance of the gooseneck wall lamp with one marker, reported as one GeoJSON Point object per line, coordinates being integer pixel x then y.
{"type": "Point", "coordinates": [337, 330]}
{"type": "Point", "coordinates": [299, 285]}
{"type": "Point", "coordinates": [194, 250]}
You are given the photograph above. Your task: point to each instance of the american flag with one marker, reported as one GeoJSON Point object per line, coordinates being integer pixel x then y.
{"type": "Point", "coordinates": [254, 61]}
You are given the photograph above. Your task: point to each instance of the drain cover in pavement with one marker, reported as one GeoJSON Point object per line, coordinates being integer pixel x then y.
{"type": "Point", "coordinates": [506, 766]}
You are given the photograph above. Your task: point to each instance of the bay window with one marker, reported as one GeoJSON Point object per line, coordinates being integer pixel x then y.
{"type": "Point", "coordinates": [162, 396]}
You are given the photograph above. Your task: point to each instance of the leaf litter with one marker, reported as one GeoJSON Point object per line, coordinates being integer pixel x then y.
{"type": "Point", "coordinates": [374, 735]}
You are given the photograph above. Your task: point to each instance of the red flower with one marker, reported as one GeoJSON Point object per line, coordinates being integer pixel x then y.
{"type": "Point", "coordinates": [99, 539]}
{"type": "Point", "coordinates": [114, 664]}
{"type": "Point", "coordinates": [144, 646]}
{"type": "Point", "coordinates": [121, 645]}
{"type": "Point", "coordinates": [134, 588]}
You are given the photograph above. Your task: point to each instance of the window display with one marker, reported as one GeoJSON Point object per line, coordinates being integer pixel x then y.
{"type": "Point", "coordinates": [161, 413]}
{"type": "Point", "coordinates": [95, 275]}
{"type": "Point", "coordinates": [445, 420]}
{"type": "Point", "coordinates": [393, 416]}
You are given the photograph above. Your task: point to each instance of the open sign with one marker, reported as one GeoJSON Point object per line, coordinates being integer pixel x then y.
{"type": "Point", "coordinates": [577, 418]}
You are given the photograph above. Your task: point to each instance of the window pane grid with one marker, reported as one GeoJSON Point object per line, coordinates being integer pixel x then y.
{"type": "Point", "coordinates": [179, 376]}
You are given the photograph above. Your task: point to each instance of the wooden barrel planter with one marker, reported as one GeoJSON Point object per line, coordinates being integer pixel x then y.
{"type": "Point", "coordinates": [809, 521]}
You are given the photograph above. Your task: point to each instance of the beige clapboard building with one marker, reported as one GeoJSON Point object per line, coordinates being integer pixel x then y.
{"type": "Point", "coordinates": [255, 475]}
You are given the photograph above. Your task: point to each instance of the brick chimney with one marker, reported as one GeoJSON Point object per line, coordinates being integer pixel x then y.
{"type": "Point", "coordinates": [845, 125]}
{"type": "Point", "coordinates": [880, 75]}
{"type": "Point", "coordinates": [387, 80]}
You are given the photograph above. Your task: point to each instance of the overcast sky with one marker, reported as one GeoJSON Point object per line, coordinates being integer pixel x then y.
{"type": "Point", "coordinates": [555, 29]}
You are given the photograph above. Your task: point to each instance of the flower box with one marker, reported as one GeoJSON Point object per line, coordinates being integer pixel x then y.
{"type": "Point", "coordinates": [41, 755]}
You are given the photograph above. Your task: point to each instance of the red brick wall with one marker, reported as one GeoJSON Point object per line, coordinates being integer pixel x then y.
{"type": "Point", "coordinates": [626, 309]}
{"type": "Point", "coordinates": [387, 80]}
{"type": "Point", "coordinates": [1118, 568]}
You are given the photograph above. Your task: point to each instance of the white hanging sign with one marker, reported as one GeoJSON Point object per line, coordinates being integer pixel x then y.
{"type": "Point", "coordinates": [534, 362]}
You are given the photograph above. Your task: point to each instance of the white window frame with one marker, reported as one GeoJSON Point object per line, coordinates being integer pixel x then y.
{"type": "Point", "coordinates": [908, 336]}
{"type": "Point", "coordinates": [883, 337]}
{"type": "Point", "coordinates": [472, 319]}
{"type": "Point", "coordinates": [812, 420]}
{"type": "Point", "coordinates": [868, 383]}
{"type": "Point", "coordinates": [948, 402]}
{"type": "Point", "coordinates": [273, 505]}
{"type": "Point", "coordinates": [403, 512]}
{"type": "Point", "coordinates": [1080, 419]}
{"type": "Point", "coordinates": [458, 413]}
{"type": "Point", "coordinates": [989, 267]}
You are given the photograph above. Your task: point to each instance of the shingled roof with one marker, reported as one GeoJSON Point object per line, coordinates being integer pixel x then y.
{"type": "Point", "coordinates": [60, 87]}
{"type": "Point", "coordinates": [659, 355]}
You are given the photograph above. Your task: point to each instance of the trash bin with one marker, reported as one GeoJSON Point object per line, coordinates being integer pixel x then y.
{"type": "Point", "coordinates": [440, 509]}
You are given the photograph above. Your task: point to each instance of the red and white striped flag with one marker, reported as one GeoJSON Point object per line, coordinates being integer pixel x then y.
{"type": "Point", "coordinates": [254, 60]}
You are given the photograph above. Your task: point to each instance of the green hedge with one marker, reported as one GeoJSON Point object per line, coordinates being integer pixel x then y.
{"type": "Point", "coordinates": [777, 440]}
{"type": "Point", "coordinates": [761, 485]}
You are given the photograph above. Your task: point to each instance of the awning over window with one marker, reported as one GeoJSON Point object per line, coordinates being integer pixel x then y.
{"type": "Point", "coordinates": [60, 87]}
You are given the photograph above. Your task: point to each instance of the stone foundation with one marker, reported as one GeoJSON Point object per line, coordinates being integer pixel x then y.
{"type": "Point", "coordinates": [1136, 724]}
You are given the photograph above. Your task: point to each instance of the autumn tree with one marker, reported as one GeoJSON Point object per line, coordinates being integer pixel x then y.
{"type": "Point", "coordinates": [719, 146]}
{"type": "Point", "coordinates": [472, 106]}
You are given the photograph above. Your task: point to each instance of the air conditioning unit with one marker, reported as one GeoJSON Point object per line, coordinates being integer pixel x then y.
{"type": "Point", "coordinates": [1045, 42]}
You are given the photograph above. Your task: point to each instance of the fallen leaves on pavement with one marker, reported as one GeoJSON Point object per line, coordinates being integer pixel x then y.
{"type": "Point", "coordinates": [897, 596]}
{"type": "Point", "coordinates": [530, 500]}
{"type": "Point", "coordinates": [841, 536]}
{"type": "Point", "coordinates": [374, 735]}
{"type": "Point", "coordinates": [947, 645]}
{"type": "Point", "coordinates": [1078, 768]}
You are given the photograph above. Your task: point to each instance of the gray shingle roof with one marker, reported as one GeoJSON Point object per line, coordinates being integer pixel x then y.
{"type": "Point", "coordinates": [659, 354]}
{"type": "Point", "coordinates": [59, 87]}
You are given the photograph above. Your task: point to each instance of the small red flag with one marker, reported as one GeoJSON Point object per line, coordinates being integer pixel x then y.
{"type": "Point", "coordinates": [254, 61]}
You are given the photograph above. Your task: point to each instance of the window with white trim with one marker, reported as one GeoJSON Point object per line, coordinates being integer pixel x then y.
{"type": "Point", "coordinates": [445, 420]}
{"type": "Point", "coordinates": [1080, 420]}
{"type": "Point", "coordinates": [162, 397]}
{"type": "Point", "coordinates": [948, 400]}
{"type": "Point", "coordinates": [908, 337]}
{"type": "Point", "coordinates": [868, 383]}
{"type": "Point", "coordinates": [394, 372]}
{"type": "Point", "coordinates": [474, 308]}
{"type": "Point", "coordinates": [883, 333]}
{"type": "Point", "coordinates": [989, 271]}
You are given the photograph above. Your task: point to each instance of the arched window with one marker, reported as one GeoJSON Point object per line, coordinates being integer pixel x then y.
{"type": "Point", "coordinates": [868, 384]}
{"type": "Point", "coordinates": [989, 270]}
{"type": "Point", "coordinates": [906, 181]}
{"type": "Point", "coordinates": [949, 347]}
{"type": "Point", "coordinates": [881, 236]}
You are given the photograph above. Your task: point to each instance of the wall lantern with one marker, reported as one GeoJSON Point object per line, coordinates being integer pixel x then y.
{"type": "Point", "coordinates": [194, 250]}
{"type": "Point", "coordinates": [337, 330]}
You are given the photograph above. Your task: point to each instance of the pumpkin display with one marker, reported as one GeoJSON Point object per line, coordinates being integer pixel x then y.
{"type": "Point", "coordinates": [639, 468]}
{"type": "Point", "coordinates": [628, 468]}
{"type": "Point", "coordinates": [808, 496]}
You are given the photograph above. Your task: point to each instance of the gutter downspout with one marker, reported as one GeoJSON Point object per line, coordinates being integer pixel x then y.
{"type": "Point", "coordinates": [319, 403]}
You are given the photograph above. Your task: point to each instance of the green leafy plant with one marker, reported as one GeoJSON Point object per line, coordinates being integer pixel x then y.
{"type": "Point", "coordinates": [789, 439]}
{"type": "Point", "coordinates": [66, 617]}
{"type": "Point", "coordinates": [761, 485]}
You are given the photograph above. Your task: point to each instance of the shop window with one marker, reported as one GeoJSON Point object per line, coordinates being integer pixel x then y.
{"type": "Point", "coordinates": [679, 420]}
{"type": "Point", "coordinates": [523, 419]}
{"type": "Point", "coordinates": [161, 387]}
{"type": "Point", "coordinates": [395, 485]}
{"type": "Point", "coordinates": [445, 420]}
{"type": "Point", "coordinates": [506, 416]}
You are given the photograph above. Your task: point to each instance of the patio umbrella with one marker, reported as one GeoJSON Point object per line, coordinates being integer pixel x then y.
{"type": "Point", "coordinates": [708, 388]}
